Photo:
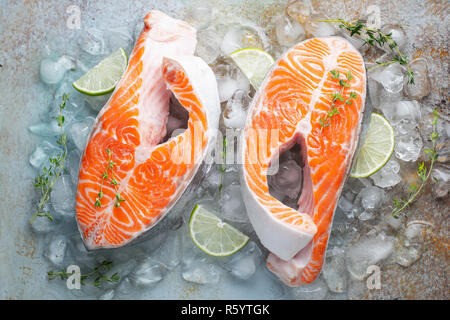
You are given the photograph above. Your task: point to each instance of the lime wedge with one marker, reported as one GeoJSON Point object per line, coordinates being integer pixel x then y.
{"type": "Point", "coordinates": [102, 78]}
{"type": "Point", "coordinates": [212, 235]}
{"type": "Point", "coordinates": [254, 63]}
{"type": "Point", "coordinates": [377, 148]}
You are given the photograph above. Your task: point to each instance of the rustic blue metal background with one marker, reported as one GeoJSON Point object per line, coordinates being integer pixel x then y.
{"type": "Point", "coordinates": [28, 26]}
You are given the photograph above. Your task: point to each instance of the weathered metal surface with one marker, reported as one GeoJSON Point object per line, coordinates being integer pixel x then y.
{"type": "Point", "coordinates": [28, 26]}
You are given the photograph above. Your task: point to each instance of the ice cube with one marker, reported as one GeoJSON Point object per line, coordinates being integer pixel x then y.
{"type": "Point", "coordinates": [366, 215]}
{"type": "Point", "coordinates": [213, 180]}
{"type": "Point", "coordinates": [156, 237]}
{"type": "Point", "coordinates": [426, 128]}
{"type": "Point", "coordinates": [200, 16]}
{"type": "Point", "coordinates": [169, 253]}
{"type": "Point", "coordinates": [343, 228]}
{"type": "Point", "coordinates": [38, 157]}
{"type": "Point", "coordinates": [355, 40]}
{"type": "Point", "coordinates": [52, 72]}
{"type": "Point", "coordinates": [381, 98]}
{"type": "Point", "coordinates": [229, 80]}
{"type": "Point", "coordinates": [63, 196]}
{"type": "Point", "coordinates": [92, 41]}
{"type": "Point", "coordinates": [421, 86]}
{"type": "Point", "coordinates": [80, 130]}
{"type": "Point", "coordinates": [74, 105]}
{"type": "Point", "coordinates": [408, 144]}
{"type": "Point", "coordinates": [371, 198]}
{"type": "Point", "coordinates": [148, 273]}
{"type": "Point", "coordinates": [406, 256]}
{"type": "Point", "coordinates": [334, 270]}
{"type": "Point", "coordinates": [108, 295]}
{"type": "Point", "coordinates": [367, 252]}
{"type": "Point", "coordinates": [299, 10]}
{"type": "Point", "coordinates": [410, 243]}
{"type": "Point", "coordinates": [441, 175]}
{"type": "Point", "coordinates": [125, 287]}
{"type": "Point", "coordinates": [289, 32]}
{"type": "Point", "coordinates": [42, 224]}
{"type": "Point", "coordinates": [80, 254]}
{"type": "Point", "coordinates": [316, 290]}
{"type": "Point", "coordinates": [395, 223]}
{"type": "Point", "coordinates": [208, 45]}
{"type": "Point", "coordinates": [233, 207]}
{"type": "Point", "coordinates": [97, 102]}
{"type": "Point", "coordinates": [125, 265]}
{"type": "Point", "coordinates": [73, 165]}
{"type": "Point", "coordinates": [120, 37]}
{"type": "Point", "coordinates": [416, 229]}
{"type": "Point", "coordinates": [42, 153]}
{"type": "Point", "coordinates": [46, 129]}
{"type": "Point", "coordinates": [320, 29]}
{"type": "Point", "coordinates": [402, 111]}
{"type": "Point", "coordinates": [235, 111]}
{"type": "Point", "coordinates": [397, 35]}
{"type": "Point", "coordinates": [346, 206]}
{"type": "Point", "coordinates": [57, 249]}
{"type": "Point", "coordinates": [199, 269]}
{"type": "Point", "coordinates": [245, 262]}
{"type": "Point", "coordinates": [391, 77]}
{"type": "Point", "coordinates": [387, 176]}
{"type": "Point", "coordinates": [239, 37]}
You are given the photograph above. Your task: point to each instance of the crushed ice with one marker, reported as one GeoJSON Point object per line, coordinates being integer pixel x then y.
{"type": "Point", "coordinates": [169, 248]}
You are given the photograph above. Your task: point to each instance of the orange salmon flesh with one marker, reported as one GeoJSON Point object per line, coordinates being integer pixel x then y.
{"type": "Point", "coordinates": [150, 176]}
{"type": "Point", "coordinates": [295, 95]}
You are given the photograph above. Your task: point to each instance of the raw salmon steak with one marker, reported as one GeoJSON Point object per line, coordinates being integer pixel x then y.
{"type": "Point", "coordinates": [286, 110]}
{"type": "Point", "coordinates": [145, 176]}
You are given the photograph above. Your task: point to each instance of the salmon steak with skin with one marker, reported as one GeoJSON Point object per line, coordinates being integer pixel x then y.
{"type": "Point", "coordinates": [287, 110]}
{"type": "Point", "coordinates": [146, 174]}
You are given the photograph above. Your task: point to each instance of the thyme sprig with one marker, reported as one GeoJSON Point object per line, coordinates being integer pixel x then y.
{"type": "Point", "coordinates": [49, 175]}
{"type": "Point", "coordinates": [113, 181]}
{"type": "Point", "coordinates": [98, 272]}
{"type": "Point", "coordinates": [338, 97]}
{"type": "Point", "coordinates": [375, 36]}
{"type": "Point", "coordinates": [423, 173]}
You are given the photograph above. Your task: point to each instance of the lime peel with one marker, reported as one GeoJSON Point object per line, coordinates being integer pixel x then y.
{"type": "Point", "coordinates": [212, 235]}
{"type": "Point", "coordinates": [103, 78]}
{"type": "Point", "coordinates": [377, 149]}
{"type": "Point", "coordinates": [254, 63]}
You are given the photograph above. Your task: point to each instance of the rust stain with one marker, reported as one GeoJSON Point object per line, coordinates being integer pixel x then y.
{"type": "Point", "coordinates": [436, 53]}
{"type": "Point", "coordinates": [26, 271]}
{"type": "Point", "coordinates": [438, 8]}
{"type": "Point", "coordinates": [26, 245]}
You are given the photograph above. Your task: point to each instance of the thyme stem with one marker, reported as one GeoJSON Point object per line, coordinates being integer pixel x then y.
{"type": "Point", "coordinates": [376, 36]}
{"type": "Point", "coordinates": [46, 180]}
{"type": "Point", "coordinates": [338, 96]}
{"type": "Point", "coordinates": [98, 271]}
{"type": "Point", "coordinates": [109, 167]}
{"type": "Point", "coordinates": [422, 172]}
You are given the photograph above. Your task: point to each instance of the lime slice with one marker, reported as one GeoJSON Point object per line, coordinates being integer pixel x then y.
{"type": "Point", "coordinates": [212, 235]}
{"type": "Point", "coordinates": [377, 148]}
{"type": "Point", "coordinates": [254, 63]}
{"type": "Point", "coordinates": [102, 78]}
